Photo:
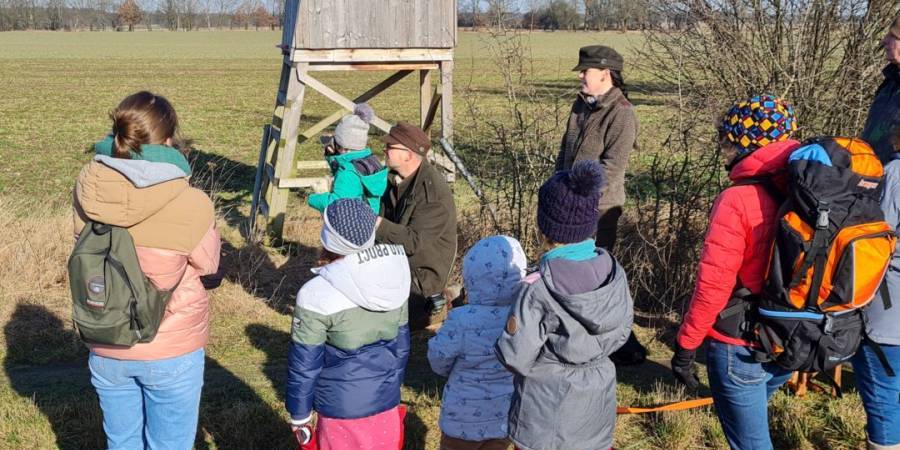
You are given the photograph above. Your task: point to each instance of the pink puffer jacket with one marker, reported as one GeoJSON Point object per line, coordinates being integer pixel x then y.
{"type": "Point", "coordinates": [173, 228]}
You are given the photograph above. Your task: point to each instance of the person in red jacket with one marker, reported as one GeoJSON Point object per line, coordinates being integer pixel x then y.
{"type": "Point", "coordinates": [756, 137]}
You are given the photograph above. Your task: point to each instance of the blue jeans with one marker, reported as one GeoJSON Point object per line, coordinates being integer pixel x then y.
{"type": "Point", "coordinates": [741, 388]}
{"type": "Point", "coordinates": [880, 393]}
{"type": "Point", "coordinates": [149, 404]}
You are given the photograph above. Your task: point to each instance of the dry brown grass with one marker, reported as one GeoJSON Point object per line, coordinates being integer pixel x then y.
{"type": "Point", "coordinates": [46, 400]}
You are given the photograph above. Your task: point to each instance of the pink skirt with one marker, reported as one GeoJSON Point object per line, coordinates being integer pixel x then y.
{"type": "Point", "coordinates": [382, 431]}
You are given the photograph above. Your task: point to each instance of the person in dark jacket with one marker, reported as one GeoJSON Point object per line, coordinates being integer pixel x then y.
{"type": "Point", "coordinates": [417, 212]}
{"type": "Point", "coordinates": [884, 114]}
{"type": "Point", "coordinates": [603, 127]}
{"type": "Point", "coordinates": [568, 319]}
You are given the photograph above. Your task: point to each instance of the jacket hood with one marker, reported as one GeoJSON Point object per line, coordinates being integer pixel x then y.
{"type": "Point", "coordinates": [126, 192]}
{"type": "Point", "coordinates": [492, 271]}
{"type": "Point", "coordinates": [375, 279]}
{"type": "Point", "coordinates": [142, 173]}
{"type": "Point", "coordinates": [592, 309]}
{"type": "Point", "coordinates": [376, 183]}
{"type": "Point", "coordinates": [768, 160]}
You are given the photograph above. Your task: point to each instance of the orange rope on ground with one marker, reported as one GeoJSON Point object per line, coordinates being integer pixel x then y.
{"type": "Point", "coordinates": [677, 406]}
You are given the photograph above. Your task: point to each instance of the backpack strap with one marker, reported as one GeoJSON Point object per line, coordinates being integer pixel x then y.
{"type": "Point", "coordinates": [816, 256]}
{"type": "Point", "coordinates": [879, 352]}
{"type": "Point", "coordinates": [885, 292]}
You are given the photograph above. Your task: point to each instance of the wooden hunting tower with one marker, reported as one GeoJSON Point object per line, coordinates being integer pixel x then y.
{"type": "Point", "coordinates": [400, 36]}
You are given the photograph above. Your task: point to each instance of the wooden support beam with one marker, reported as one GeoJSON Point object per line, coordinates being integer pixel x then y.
{"type": "Point", "coordinates": [446, 118]}
{"type": "Point", "coordinates": [338, 98]}
{"type": "Point", "coordinates": [284, 159]}
{"type": "Point", "coordinates": [260, 183]}
{"type": "Point", "coordinates": [424, 97]}
{"type": "Point", "coordinates": [311, 165]}
{"type": "Point", "coordinates": [322, 67]}
{"type": "Point", "coordinates": [447, 100]}
{"type": "Point", "coordinates": [372, 55]}
{"type": "Point", "coordinates": [365, 96]}
{"type": "Point", "coordinates": [319, 184]}
{"type": "Point", "coordinates": [432, 112]}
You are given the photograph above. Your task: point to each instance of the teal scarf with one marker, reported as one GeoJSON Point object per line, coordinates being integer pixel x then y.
{"type": "Point", "coordinates": [580, 251]}
{"type": "Point", "coordinates": [149, 152]}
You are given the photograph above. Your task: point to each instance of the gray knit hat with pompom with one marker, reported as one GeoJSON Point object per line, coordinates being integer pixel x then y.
{"type": "Point", "coordinates": [352, 132]}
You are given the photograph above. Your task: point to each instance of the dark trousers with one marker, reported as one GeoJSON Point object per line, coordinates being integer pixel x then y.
{"type": "Point", "coordinates": [607, 227]}
{"type": "Point", "coordinates": [607, 232]}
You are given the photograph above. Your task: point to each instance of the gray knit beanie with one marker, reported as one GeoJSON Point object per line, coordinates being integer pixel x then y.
{"type": "Point", "coordinates": [352, 132]}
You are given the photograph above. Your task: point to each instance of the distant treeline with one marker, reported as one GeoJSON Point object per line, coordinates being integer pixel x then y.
{"type": "Point", "coordinates": [259, 14]}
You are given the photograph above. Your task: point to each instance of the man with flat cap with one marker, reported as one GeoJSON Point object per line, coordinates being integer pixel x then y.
{"type": "Point", "coordinates": [884, 114]}
{"type": "Point", "coordinates": [418, 213]}
{"type": "Point", "coordinates": [603, 127]}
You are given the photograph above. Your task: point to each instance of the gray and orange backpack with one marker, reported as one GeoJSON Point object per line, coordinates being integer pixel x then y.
{"type": "Point", "coordinates": [829, 257]}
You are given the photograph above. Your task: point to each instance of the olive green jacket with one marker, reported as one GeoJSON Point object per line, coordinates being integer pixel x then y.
{"type": "Point", "coordinates": [423, 220]}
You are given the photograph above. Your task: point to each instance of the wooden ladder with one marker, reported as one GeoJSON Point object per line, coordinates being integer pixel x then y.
{"type": "Point", "coordinates": [275, 170]}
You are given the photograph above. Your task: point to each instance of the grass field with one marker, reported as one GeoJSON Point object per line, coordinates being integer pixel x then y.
{"type": "Point", "coordinates": [57, 90]}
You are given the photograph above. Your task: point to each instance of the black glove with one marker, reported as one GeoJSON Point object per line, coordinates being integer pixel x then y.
{"type": "Point", "coordinates": [683, 367]}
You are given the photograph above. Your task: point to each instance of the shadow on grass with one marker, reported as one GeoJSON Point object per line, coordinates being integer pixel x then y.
{"type": "Point", "coordinates": [419, 377]}
{"type": "Point", "coordinates": [46, 363]}
{"type": "Point", "coordinates": [234, 416]}
{"type": "Point", "coordinates": [252, 266]}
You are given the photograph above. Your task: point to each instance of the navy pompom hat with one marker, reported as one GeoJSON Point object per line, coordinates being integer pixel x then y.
{"type": "Point", "coordinates": [567, 203]}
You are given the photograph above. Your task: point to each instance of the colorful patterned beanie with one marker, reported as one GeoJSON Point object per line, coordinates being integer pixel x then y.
{"type": "Point", "coordinates": [758, 121]}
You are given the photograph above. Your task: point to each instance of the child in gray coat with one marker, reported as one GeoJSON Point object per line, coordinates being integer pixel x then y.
{"type": "Point", "coordinates": [573, 313]}
{"type": "Point", "coordinates": [477, 395]}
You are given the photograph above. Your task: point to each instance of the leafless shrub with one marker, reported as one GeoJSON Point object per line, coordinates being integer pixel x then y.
{"type": "Point", "coordinates": [822, 55]}
{"type": "Point", "coordinates": [511, 145]}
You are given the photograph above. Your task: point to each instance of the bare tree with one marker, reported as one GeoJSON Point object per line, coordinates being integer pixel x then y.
{"type": "Point", "coordinates": [820, 54]}
{"type": "Point", "coordinates": [56, 14]}
{"type": "Point", "coordinates": [172, 15]}
{"type": "Point", "coordinates": [261, 17]}
{"type": "Point", "coordinates": [78, 13]}
{"type": "Point", "coordinates": [242, 15]}
{"type": "Point", "coordinates": [130, 13]}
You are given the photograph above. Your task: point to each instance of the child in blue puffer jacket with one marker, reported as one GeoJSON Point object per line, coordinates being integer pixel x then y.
{"type": "Point", "coordinates": [475, 407]}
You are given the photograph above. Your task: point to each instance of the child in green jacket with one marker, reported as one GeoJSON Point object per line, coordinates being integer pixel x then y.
{"type": "Point", "coordinates": [357, 172]}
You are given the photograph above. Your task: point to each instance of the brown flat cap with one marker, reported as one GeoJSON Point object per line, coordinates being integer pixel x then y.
{"type": "Point", "coordinates": [409, 136]}
{"type": "Point", "coordinates": [599, 57]}
{"type": "Point", "coordinates": [895, 28]}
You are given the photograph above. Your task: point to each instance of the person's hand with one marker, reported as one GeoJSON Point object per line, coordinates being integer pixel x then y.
{"type": "Point", "coordinates": [377, 222]}
{"type": "Point", "coordinates": [683, 367]}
